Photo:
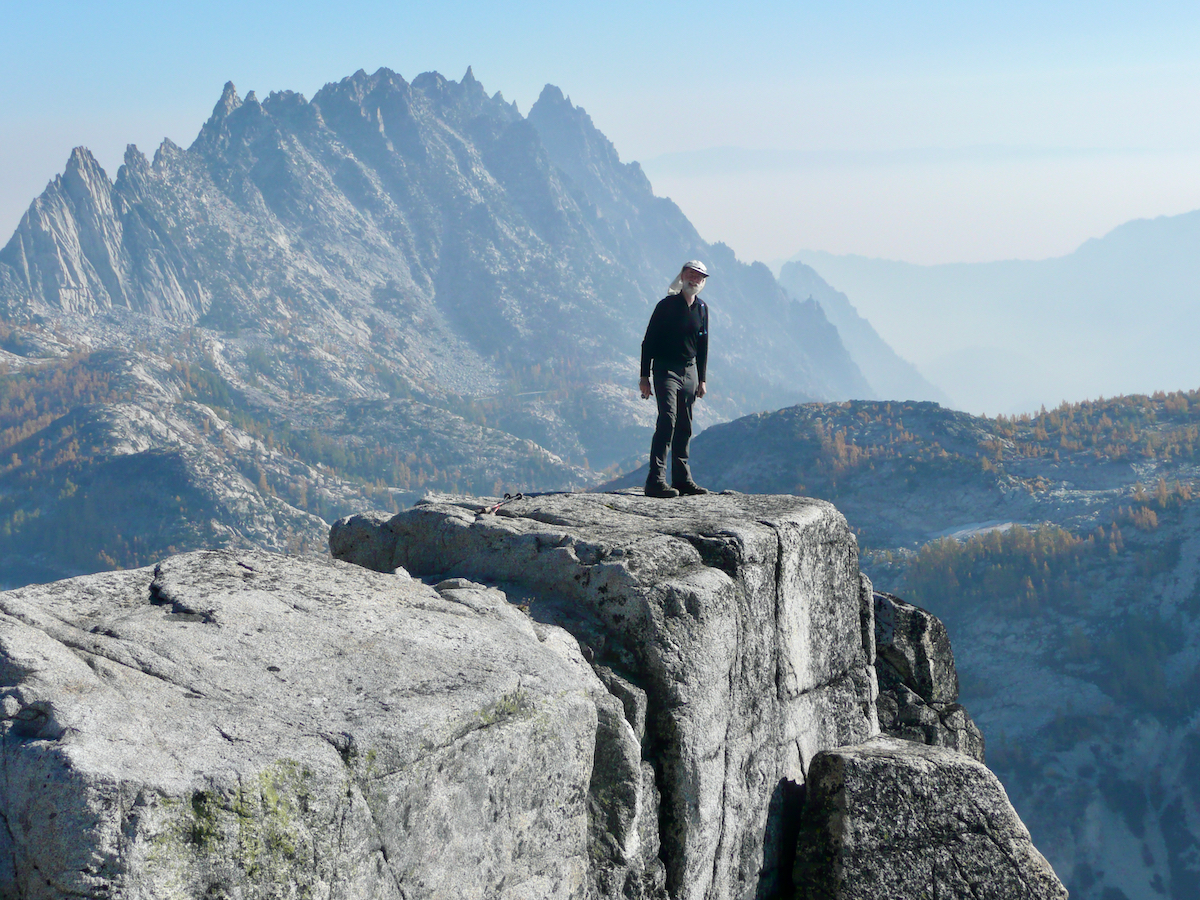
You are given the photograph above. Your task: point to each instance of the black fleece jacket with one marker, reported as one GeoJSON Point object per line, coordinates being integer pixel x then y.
{"type": "Point", "coordinates": [678, 332]}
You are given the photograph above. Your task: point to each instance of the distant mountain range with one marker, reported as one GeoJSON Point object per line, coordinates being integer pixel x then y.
{"type": "Point", "coordinates": [326, 305]}
{"type": "Point", "coordinates": [426, 230]}
{"type": "Point", "coordinates": [1117, 316]}
{"type": "Point", "coordinates": [882, 366]}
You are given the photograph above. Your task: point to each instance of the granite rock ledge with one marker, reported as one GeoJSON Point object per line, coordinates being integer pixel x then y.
{"type": "Point", "coordinates": [252, 725]}
{"type": "Point", "coordinates": [742, 619]}
{"type": "Point", "coordinates": [743, 628]}
{"type": "Point", "coordinates": [589, 696]}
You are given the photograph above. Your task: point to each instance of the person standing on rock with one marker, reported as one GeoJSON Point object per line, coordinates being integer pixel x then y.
{"type": "Point", "coordinates": [676, 350]}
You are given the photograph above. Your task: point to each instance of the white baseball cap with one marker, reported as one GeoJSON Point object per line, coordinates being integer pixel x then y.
{"type": "Point", "coordinates": [697, 265]}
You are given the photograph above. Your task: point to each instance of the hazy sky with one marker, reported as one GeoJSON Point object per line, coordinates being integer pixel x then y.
{"type": "Point", "coordinates": [928, 132]}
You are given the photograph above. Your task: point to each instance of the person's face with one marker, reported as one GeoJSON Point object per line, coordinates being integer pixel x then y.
{"type": "Point", "coordinates": [691, 276]}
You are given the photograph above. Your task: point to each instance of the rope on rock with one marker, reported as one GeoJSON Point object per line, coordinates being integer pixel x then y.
{"type": "Point", "coordinates": [508, 498]}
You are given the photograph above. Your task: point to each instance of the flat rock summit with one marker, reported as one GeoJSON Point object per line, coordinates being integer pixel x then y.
{"type": "Point", "coordinates": [568, 695]}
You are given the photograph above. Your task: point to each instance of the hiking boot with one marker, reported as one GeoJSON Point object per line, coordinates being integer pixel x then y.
{"type": "Point", "coordinates": [690, 489]}
{"type": "Point", "coordinates": [660, 490]}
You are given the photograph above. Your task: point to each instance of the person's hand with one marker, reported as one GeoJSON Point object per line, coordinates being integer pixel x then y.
{"type": "Point", "coordinates": [644, 387]}
{"type": "Point", "coordinates": [701, 390]}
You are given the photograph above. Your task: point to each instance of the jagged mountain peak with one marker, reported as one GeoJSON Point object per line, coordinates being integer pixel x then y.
{"type": "Point", "coordinates": [285, 99]}
{"type": "Point", "coordinates": [362, 90]}
{"type": "Point", "coordinates": [166, 151]}
{"type": "Point", "coordinates": [228, 103]}
{"type": "Point", "coordinates": [227, 114]}
{"type": "Point", "coordinates": [135, 168]}
{"type": "Point", "coordinates": [581, 150]}
{"type": "Point", "coordinates": [386, 95]}
{"type": "Point", "coordinates": [552, 93]}
{"type": "Point", "coordinates": [292, 108]}
{"type": "Point", "coordinates": [88, 186]}
{"type": "Point", "coordinates": [430, 82]}
{"type": "Point", "coordinates": [574, 124]}
{"type": "Point", "coordinates": [135, 158]}
{"type": "Point", "coordinates": [83, 164]}
{"type": "Point", "coordinates": [428, 232]}
{"type": "Point", "coordinates": [575, 143]}
{"type": "Point", "coordinates": [462, 101]}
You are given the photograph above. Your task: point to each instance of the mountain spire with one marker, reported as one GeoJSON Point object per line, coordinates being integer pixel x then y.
{"type": "Point", "coordinates": [228, 103]}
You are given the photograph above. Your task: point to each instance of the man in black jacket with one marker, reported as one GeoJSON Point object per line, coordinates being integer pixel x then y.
{"type": "Point", "coordinates": [676, 348]}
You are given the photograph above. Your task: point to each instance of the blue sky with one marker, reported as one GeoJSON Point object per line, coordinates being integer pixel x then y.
{"type": "Point", "coordinates": [929, 132]}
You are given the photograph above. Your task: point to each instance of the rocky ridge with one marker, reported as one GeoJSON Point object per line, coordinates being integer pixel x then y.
{"type": "Point", "coordinates": [239, 723]}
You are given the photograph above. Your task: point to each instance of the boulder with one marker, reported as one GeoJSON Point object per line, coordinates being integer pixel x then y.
{"type": "Point", "coordinates": [918, 683]}
{"type": "Point", "coordinates": [362, 540]}
{"type": "Point", "coordinates": [913, 649]}
{"type": "Point", "coordinates": [252, 725]}
{"type": "Point", "coordinates": [741, 619]}
{"type": "Point", "coordinates": [894, 819]}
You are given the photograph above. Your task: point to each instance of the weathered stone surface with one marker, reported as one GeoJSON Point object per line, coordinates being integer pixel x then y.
{"type": "Point", "coordinates": [916, 649]}
{"type": "Point", "coordinates": [740, 617]}
{"type": "Point", "coordinates": [361, 540]}
{"type": "Point", "coordinates": [903, 714]}
{"type": "Point", "coordinates": [894, 819]}
{"type": "Point", "coordinates": [918, 682]}
{"type": "Point", "coordinates": [624, 806]}
{"type": "Point", "coordinates": [251, 725]}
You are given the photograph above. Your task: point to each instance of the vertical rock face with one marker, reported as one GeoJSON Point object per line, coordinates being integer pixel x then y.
{"type": "Point", "coordinates": [918, 682]}
{"type": "Point", "coordinates": [914, 649]}
{"type": "Point", "coordinates": [740, 618]}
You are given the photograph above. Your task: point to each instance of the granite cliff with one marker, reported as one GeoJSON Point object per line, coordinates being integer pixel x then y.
{"type": "Point", "coordinates": [586, 696]}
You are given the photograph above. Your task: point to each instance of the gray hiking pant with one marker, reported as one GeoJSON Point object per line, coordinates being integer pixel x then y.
{"type": "Point", "coordinates": [675, 390]}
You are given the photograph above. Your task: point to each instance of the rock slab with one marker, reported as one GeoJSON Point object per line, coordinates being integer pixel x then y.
{"type": "Point", "coordinates": [741, 618]}
{"type": "Point", "coordinates": [894, 819]}
{"type": "Point", "coordinates": [251, 725]}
